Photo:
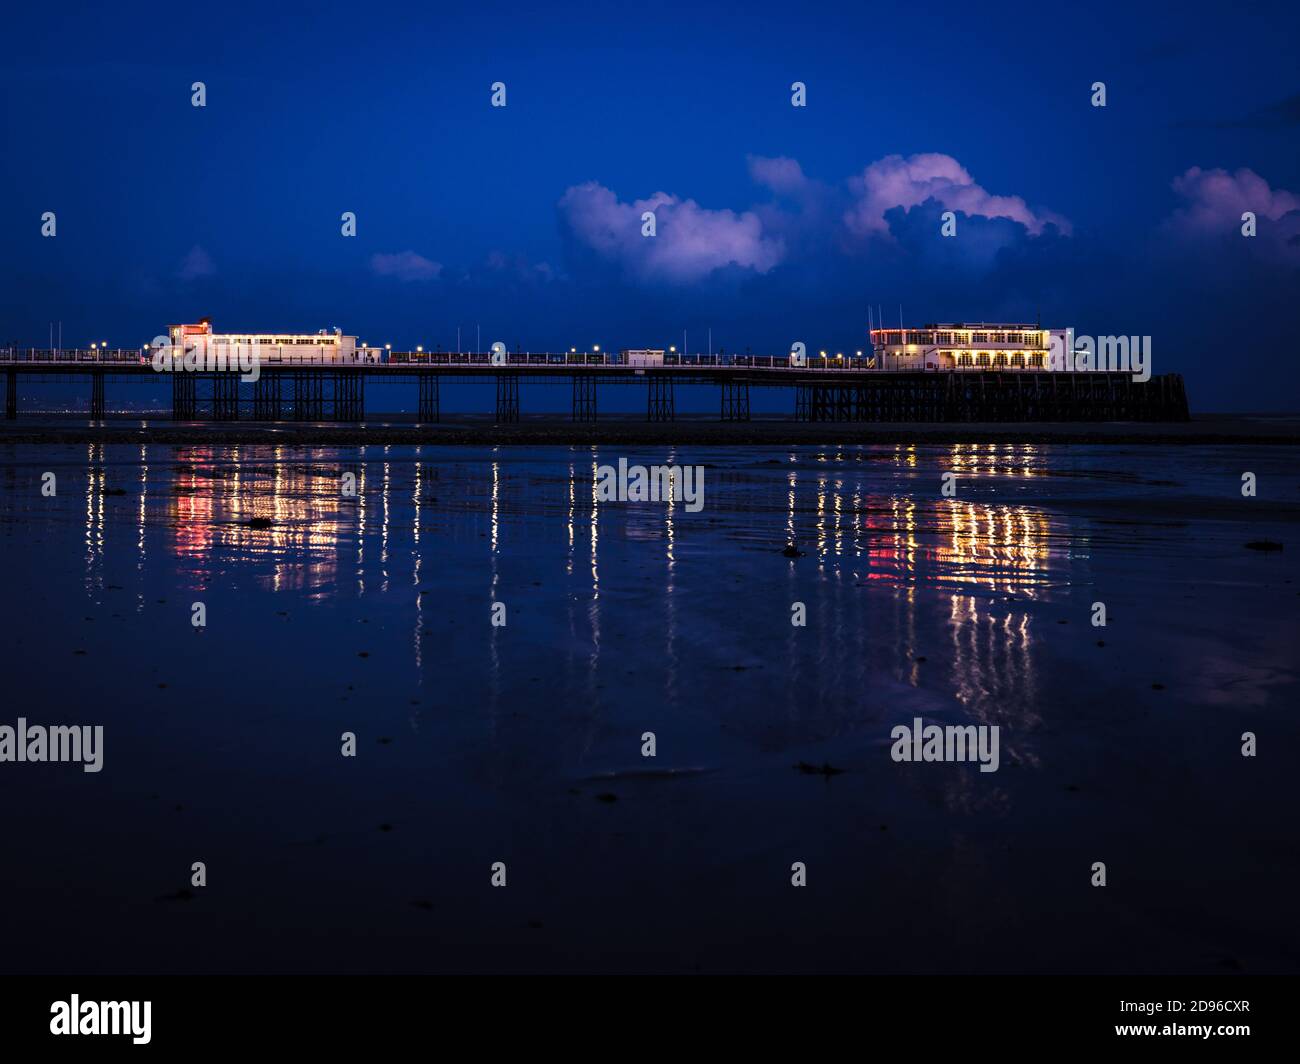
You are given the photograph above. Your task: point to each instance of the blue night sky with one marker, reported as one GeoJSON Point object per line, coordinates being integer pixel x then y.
{"type": "Point", "coordinates": [775, 223]}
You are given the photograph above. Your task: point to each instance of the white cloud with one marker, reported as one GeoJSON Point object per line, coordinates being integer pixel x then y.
{"type": "Point", "coordinates": [895, 181]}
{"type": "Point", "coordinates": [405, 266]}
{"type": "Point", "coordinates": [690, 242]}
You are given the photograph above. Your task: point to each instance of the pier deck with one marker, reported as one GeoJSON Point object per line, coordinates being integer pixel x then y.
{"type": "Point", "coordinates": [832, 390]}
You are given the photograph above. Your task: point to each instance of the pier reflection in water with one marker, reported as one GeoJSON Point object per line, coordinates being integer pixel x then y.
{"type": "Point", "coordinates": [426, 540]}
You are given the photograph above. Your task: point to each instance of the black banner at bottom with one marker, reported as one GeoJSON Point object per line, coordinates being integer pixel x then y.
{"type": "Point", "coordinates": [336, 1014]}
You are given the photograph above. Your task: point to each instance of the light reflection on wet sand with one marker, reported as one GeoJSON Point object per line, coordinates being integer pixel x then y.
{"type": "Point", "coordinates": [859, 524]}
{"type": "Point", "coordinates": [372, 613]}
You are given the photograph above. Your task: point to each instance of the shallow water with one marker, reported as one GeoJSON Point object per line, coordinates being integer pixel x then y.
{"type": "Point", "coordinates": [522, 743]}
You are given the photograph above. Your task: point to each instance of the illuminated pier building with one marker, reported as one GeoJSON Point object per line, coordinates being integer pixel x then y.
{"type": "Point", "coordinates": [985, 346]}
{"type": "Point", "coordinates": [325, 346]}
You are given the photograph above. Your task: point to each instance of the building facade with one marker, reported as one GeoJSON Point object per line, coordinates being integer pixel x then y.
{"type": "Point", "coordinates": [325, 346]}
{"type": "Point", "coordinates": [973, 346]}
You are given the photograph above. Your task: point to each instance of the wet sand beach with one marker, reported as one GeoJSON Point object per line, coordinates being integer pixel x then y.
{"type": "Point", "coordinates": [521, 744]}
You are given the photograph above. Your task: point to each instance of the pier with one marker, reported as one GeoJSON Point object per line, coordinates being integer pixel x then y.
{"type": "Point", "coordinates": [825, 390]}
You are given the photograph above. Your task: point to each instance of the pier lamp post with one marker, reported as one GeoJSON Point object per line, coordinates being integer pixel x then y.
{"type": "Point", "coordinates": [94, 348]}
{"type": "Point", "coordinates": [419, 350]}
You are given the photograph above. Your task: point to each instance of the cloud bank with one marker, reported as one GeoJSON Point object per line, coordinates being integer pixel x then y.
{"type": "Point", "coordinates": [898, 182]}
{"type": "Point", "coordinates": [690, 241]}
{"type": "Point", "coordinates": [693, 242]}
{"type": "Point", "coordinates": [1215, 200]}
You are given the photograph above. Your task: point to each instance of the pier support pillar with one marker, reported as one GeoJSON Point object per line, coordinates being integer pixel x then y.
{"type": "Point", "coordinates": [584, 398]}
{"type": "Point", "coordinates": [183, 396]}
{"type": "Point", "coordinates": [507, 397]}
{"type": "Point", "coordinates": [308, 395]}
{"type": "Point", "coordinates": [735, 401]}
{"type": "Point", "coordinates": [225, 397]}
{"type": "Point", "coordinates": [11, 394]}
{"type": "Point", "coordinates": [97, 396]}
{"type": "Point", "coordinates": [430, 408]}
{"type": "Point", "coordinates": [803, 402]}
{"type": "Point", "coordinates": [659, 402]}
{"type": "Point", "coordinates": [837, 402]}
{"type": "Point", "coordinates": [266, 396]}
{"type": "Point", "coordinates": [349, 395]}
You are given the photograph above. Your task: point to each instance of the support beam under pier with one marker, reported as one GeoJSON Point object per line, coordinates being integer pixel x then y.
{"type": "Point", "coordinates": [430, 408]}
{"type": "Point", "coordinates": [266, 397]}
{"type": "Point", "coordinates": [659, 401]}
{"type": "Point", "coordinates": [507, 397]}
{"type": "Point", "coordinates": [184, 397]}
{"type": "Point", "coordinates": [349, 395]}
{"type": "Point", "coordinates": [803, 402]}
{"type": "Point", "coordinates": [584, 398]}
{"type": "Point", "coordinates": [225, 396]}
{"type": "Point", "coordinates": [308, 395]}
{"type": "Point", "coordinates": [735, 401]}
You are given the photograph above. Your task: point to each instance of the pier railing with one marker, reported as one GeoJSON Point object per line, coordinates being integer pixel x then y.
{"type": "Point", "coordinates": [571, 358]}
{"type": "Point", "coordinates": [118, 356]}
{"type": "Point", "coordinates": [375, 357]}
{"type": "Point", "coordinates": [372, 357]}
